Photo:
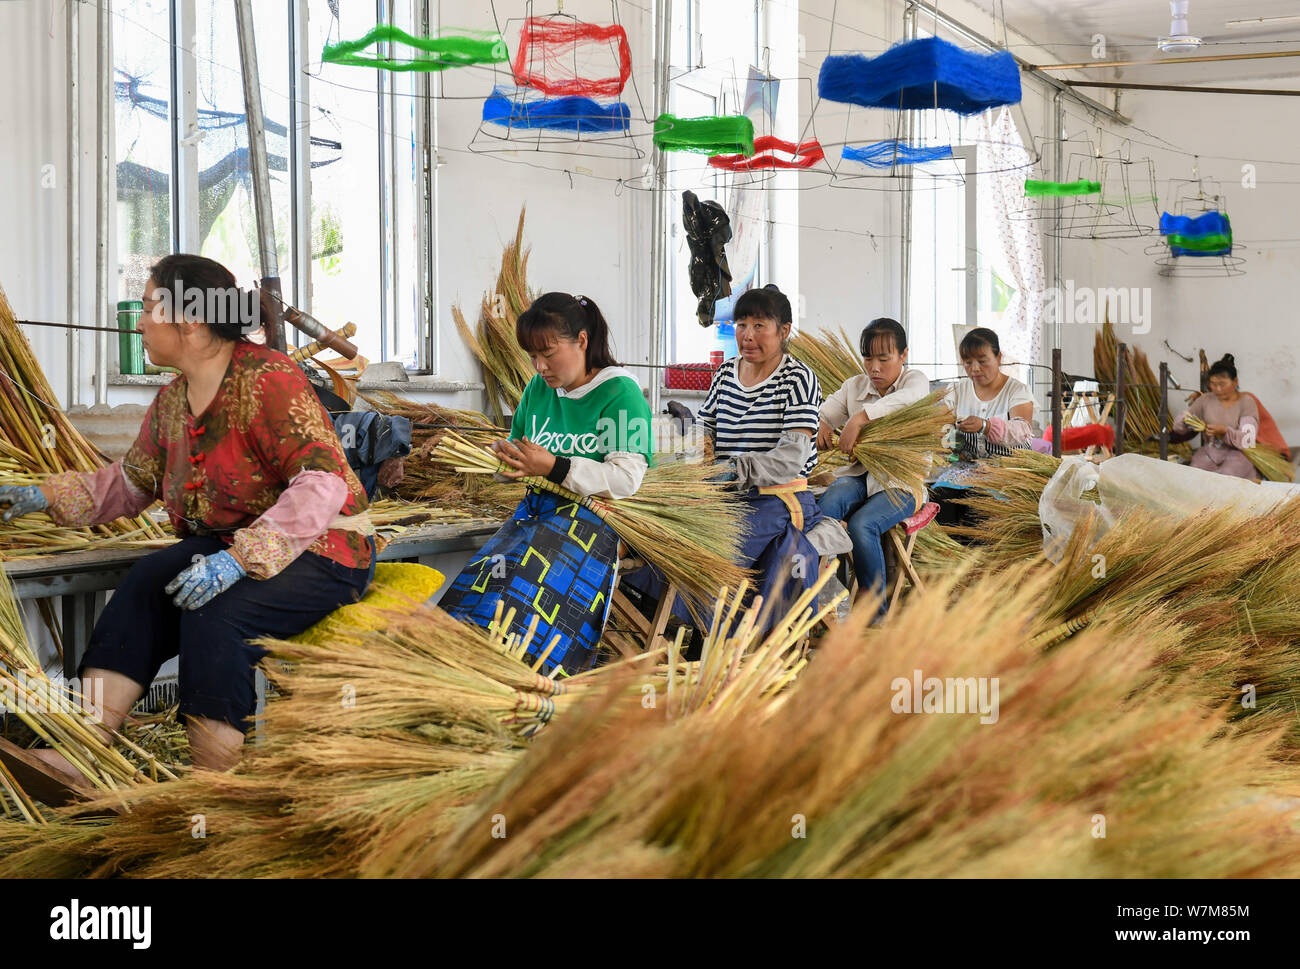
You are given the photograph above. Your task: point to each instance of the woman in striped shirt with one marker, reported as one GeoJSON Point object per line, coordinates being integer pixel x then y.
{"type": "Point", "coordinates": [761, 413]}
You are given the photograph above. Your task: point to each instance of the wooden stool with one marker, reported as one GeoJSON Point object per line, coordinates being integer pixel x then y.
{"type": "Point", "coordinates": [909, 528]}
{"type": "Point", "coordinates": [651, 631]}
{"type": "Point", "coordinates": [901, 552]}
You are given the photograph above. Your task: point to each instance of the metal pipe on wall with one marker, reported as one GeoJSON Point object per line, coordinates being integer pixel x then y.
{"type": "Point", "coordinates": [256, 122]}
{"type": "Point", "coordinates": [1270, 92]}
{"type": "Point", "coordinates": [72, 396]}
{"type": "Point", "coordinates": [659, 212]}
{"type": "Point", "coordinates": [103, 141]}
{"type": "Point", "coordinates": [1121, 396]}
{"type": "Point", "coordinates": [905, 214]}
{"type": "Point", "coordinates": [427, 347]}
{"type": "Point", "coordinates": [1058, 163]}
{"type": "Point", "coordinates": [299, 164]}
{"type": "Point", "coordinates": [1164, 411]}
{"type": "Point", "coordinates": [385, 223]}
{"type": "Point", "coordinates": [1162, 62]}
{"type": "Point", "coordinates": [1057, 402]}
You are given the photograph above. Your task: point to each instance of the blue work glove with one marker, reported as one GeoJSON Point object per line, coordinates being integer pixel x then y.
{"type": "Point", "coordinates": [726, 473]}
{"type": "Point", "coordinates": [22, 500]}
{"type": "Point", "coordinates": [206, 579]}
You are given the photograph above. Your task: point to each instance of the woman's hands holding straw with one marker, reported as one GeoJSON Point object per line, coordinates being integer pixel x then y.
{"type": "Point", "coordinates": [825, 436]}
{"type": "Point", "coordinates": [528, 459]}
{"type": "Point", "coordinates": [849, 436]}
{"type": "Point", "coordinates": [1209, 430]}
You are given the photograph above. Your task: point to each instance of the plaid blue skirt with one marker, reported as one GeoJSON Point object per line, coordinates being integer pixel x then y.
{"type": "Point", "coordinates": [555, 559]}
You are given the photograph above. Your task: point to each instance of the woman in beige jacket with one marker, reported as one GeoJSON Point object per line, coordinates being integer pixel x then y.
{"type": "Point", "coordinates": [866, 507]}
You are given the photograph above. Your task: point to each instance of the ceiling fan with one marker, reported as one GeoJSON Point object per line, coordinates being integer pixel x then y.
{"type": "Point", "coordinates": [1181, 40]}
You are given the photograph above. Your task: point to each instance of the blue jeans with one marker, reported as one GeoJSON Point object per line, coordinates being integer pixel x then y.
{"type": "Point", "coordinates": [868, 519]}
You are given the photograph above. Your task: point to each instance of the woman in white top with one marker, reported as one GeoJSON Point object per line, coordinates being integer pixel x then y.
{"type": "Point", "coordinates": [995, 411]}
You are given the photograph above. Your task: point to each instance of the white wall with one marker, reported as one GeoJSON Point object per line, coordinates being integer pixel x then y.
{"type": "Point", "coordinates": [849, 239]}
{"type": "Point", "coordinates": [1253, 316]}
{"type": "Point", "coordinates": [32, 207]}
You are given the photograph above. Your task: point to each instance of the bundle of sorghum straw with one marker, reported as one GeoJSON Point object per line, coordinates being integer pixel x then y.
{"type": "Point", "coordinates": [390, 515]}
{"type": "Point", "coordinates": [1267, 461]}
{"type": "Point", "coordinates": [841, 778]}
{"type": "Point", "coordinates": [387, 724]}
{"type": "Point", "coordinates": [37, 439]}
{"type": "Point", "coordinates": [65, 721]}
{"type": "Point", "coordinates": [897, 449]}
{"type": "Point", "coordinates": [377, 711]}
{"type": "Point", "coordinates": [1005, 496]}
{"type": "Point", "coordinates": [679, 521]}
{"type": "Point", "coordinates": [1227, 581]}
{"type": "Point", "coordinates": [1142, 390]}
{"type": "Point", "coordinates": [1000, 770]}
{"type": "Point", "coordinates": [831, 356]}
{"type": "Point", "coordinates": [429, 481]}
{"type": "Point", "coordinates": [740, 674]}
{"type": "Point", "coordinates": [506, 367]}
{"type": "Point", "coordinates": [435, 419]}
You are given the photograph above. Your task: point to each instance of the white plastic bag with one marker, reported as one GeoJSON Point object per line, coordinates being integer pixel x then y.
{"type": "Point", "coordinates": [1130, 482]}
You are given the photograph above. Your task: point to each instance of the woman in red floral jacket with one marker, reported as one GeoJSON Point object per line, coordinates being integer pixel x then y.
{"type": "Point", "coordinates": [274, 531]}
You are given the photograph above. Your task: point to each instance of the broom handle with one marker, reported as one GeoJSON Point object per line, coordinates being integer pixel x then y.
{"type": "Point", "coordinates": [313, 348]}
{"type": "Point", "coordinates": [315, 328]}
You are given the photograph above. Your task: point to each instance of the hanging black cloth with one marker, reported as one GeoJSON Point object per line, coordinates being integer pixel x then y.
{"type": "Point", "coordinates": [708, 230]}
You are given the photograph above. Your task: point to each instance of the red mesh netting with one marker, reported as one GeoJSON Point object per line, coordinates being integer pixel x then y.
{"type": "Point", "coordinates": [554, 55]}
{"type": "Point", "coordinates": [803, 155]}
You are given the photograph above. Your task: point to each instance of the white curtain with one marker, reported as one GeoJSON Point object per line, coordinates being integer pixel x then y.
{"type": "Point", "coordinates": [1003, 163]}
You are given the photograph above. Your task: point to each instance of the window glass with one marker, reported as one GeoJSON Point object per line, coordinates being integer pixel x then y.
{"type": "Point", "coordinates": [227, 222]}
{"type": "Point", "coordinates": [143, 139]}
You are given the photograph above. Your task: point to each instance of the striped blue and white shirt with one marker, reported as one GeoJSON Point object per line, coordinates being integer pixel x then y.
{"type": "Point", "coordinates": [745, 420]}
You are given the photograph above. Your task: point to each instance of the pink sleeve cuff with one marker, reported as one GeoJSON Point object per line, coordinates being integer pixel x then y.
{"type": "Point", "coordinates": [90, 497]}
{"type": "Point", "coordinates": [300, 516]}
{"type": "Point", "coordinates": [1244, 435]}
{"type": "Point", "coordinates": [1009, 430]}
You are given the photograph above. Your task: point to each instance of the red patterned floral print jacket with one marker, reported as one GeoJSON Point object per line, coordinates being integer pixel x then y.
{"type": "Point", "coordinates": [261, 468]}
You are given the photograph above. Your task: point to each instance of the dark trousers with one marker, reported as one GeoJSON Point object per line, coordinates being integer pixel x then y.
{"type": "Point", "coordinates": [140, 628]}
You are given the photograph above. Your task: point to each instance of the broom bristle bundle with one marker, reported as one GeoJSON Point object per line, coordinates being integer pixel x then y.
{"type": "Point", "coordinates": [897, 449]}
{"type": "Point", "coordinates": [830, 356]}
{"type": "Point", "coordinates": [38, 440]}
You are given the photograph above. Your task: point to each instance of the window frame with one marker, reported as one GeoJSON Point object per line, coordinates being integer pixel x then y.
{"type": "Point", "coordinates": [296, 273]}
{"type": "Point", "coordinates": [681, 79]}
{"type": "Point", "coordinates": [970, 269]}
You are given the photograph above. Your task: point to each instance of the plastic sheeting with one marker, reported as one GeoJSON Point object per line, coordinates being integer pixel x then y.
{"type": "Point", "coordinates": [1131, 482]}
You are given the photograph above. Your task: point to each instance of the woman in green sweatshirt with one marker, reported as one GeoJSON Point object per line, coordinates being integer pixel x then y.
{"type": "Point", "coordinates": [583, 424]}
